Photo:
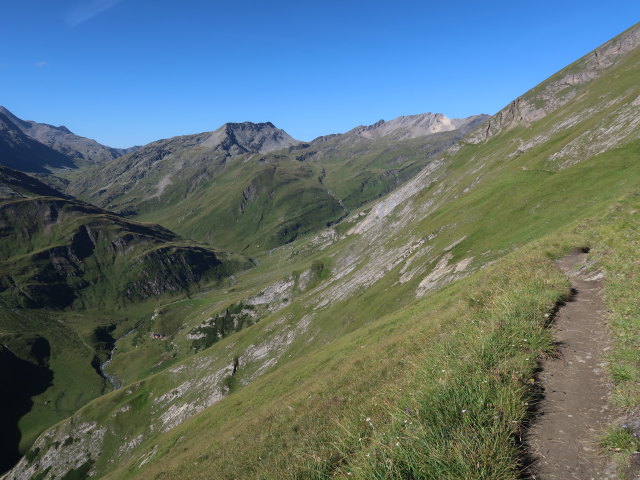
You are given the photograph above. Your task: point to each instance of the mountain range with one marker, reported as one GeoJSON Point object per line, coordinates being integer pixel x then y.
{"type": "Point", "coordinates": [272, 187]}
{"type": "Point", "coordinates": [372, 304]}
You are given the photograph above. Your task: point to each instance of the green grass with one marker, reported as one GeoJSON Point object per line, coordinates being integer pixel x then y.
{"type": "Point", "coordinates": [252, 203]}
{"type": "Point", "coordinates": [383, 384]}
{"type": "Point", "coordinates": [619, 443]}
{"type": "Point", "coordinates": [617, 237]}
{"type": "Point", "coordinates": [432, 358]}
{"type": "Point", "coordinates": [620, 439]}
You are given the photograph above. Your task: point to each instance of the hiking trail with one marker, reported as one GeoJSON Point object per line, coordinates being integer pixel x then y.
{"type": "Point", "coordinates": [575, 405]}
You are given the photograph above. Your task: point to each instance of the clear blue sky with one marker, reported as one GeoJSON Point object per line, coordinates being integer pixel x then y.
{"type": "Point", "coordinates": [132, 71]}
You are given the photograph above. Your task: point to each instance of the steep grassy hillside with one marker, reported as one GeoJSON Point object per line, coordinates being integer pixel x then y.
{"type": "Point", "coordinates": [73, 278]}
{"type": "Point", "coordinates": [216, 187]}
{"type": "Point", "coordinates": [59, 253]}
{"type": "Point", "coordinates": [403, 341]}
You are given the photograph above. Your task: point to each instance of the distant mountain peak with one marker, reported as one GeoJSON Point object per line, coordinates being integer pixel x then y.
{"type": "Point", "coordinates": [77, 150]}
{"type": "Point", "coordinates": [413, 126]}
{"type": "Point", "coordinates": [238, 138]}
{"type": "Point", "coordinates": [64, 129]}
{"type": "Point", "coordinates": [249, 125]}
{"type": "Point", "coordinates": [22, 152]}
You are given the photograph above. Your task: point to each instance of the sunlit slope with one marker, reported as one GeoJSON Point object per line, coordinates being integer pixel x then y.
{"type": "Point", "coordinates": [233, 192]}
{"type": "Point", "coordinates": [371, 355]}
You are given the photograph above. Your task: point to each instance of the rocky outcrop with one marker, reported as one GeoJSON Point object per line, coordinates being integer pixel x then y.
{"type": "Point", "coordinates": [559, 89]}
{"type": "Point", "coordinates": [238, 138]}
{"type": "Point", "coordinates": [403, 128]}
{"type": "Point", "coordinates": [414, 126]}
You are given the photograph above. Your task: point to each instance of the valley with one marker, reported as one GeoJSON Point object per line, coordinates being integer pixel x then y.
{"type": "Point", "coordinates": [373, 304]}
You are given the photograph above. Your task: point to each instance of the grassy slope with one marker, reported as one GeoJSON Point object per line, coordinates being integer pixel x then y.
{"type": "Point", "coordinates": [38, 231]}
{"type": "Point", "coordinates": [335, 404]}
{"type": "Point", "coordinates": [396, 363]}
{"type": "Point", "coordinates": [287, 201]}
{"type": "Point", "coordinates": [342, 408]}
{"type": "Point", "coordinates": [253, 202]}
{"type": "Point", "coordinates": [480, 325]}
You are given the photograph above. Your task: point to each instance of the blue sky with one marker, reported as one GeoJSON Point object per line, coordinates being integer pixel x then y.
{"type": "Point", "coordinates": [131, 71]}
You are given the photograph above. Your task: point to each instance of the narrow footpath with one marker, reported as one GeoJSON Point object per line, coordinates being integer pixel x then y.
{"type": "Point", "coordinates": [574, 409]}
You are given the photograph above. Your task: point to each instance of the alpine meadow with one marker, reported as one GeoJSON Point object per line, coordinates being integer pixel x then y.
{"type": "Point", "coordinates": [425, 297]}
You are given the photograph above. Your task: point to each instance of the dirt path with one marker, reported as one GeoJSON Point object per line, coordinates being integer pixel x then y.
{"type": "Point", "coordinates": [575, 406]}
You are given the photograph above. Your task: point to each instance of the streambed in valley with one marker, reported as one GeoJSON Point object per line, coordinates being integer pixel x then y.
{"type": "Point", "coordinates": [112, 379]}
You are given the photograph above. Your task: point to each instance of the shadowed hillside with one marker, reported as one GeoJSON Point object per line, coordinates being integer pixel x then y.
{"type": "Point", "coordinates": [69, 271]}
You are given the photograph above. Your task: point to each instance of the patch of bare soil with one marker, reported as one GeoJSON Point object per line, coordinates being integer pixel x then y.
{"type": "Point", "coordinates": [574, 408]}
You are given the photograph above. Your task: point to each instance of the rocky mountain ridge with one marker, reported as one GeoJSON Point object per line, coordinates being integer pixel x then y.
{"type": "Point", "coordinates": [78, 151]}
{"type": "Point", "coordinates": [414, 126]}
{"type": "Point", "coordinates": [257, 177]}
{"type": "Point", "coordinates": [248, 137]}
{"type": "Point", "coordinates": [560, 88]}
{"type": "Point", "coordinates": [20, 151]}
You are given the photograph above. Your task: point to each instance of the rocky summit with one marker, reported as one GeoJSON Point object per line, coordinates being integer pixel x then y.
{"type": "Point", "coordinates": [237, 138]}
{"type": "Point", "coordinates": [414, 126]}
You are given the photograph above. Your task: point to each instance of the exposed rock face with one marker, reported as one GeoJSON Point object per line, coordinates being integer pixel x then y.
{"type": "Point", "coordinates": [559, 89]}
{"type": "Point", "coordinates": [404, 128]}
{"type": "Point", "coordinates": [414, 126]}
{"type": "Point", "coordinates": [74, 447]}
{"type": "Point", "coordinates": [238, 138]}
{"type": "Point", "coordinates": [76, 150]}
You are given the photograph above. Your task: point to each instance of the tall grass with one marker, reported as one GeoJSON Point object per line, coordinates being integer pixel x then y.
{"type": "Point", "coordinates": [440, 391]}
{"type": "Point", "coordinates": [616, 250]}
{"type": "Point", "coordinates": [473, 390]}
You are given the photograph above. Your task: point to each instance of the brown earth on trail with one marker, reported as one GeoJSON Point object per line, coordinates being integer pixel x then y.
{"type": "Point", "coordinates": [575, 408]}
